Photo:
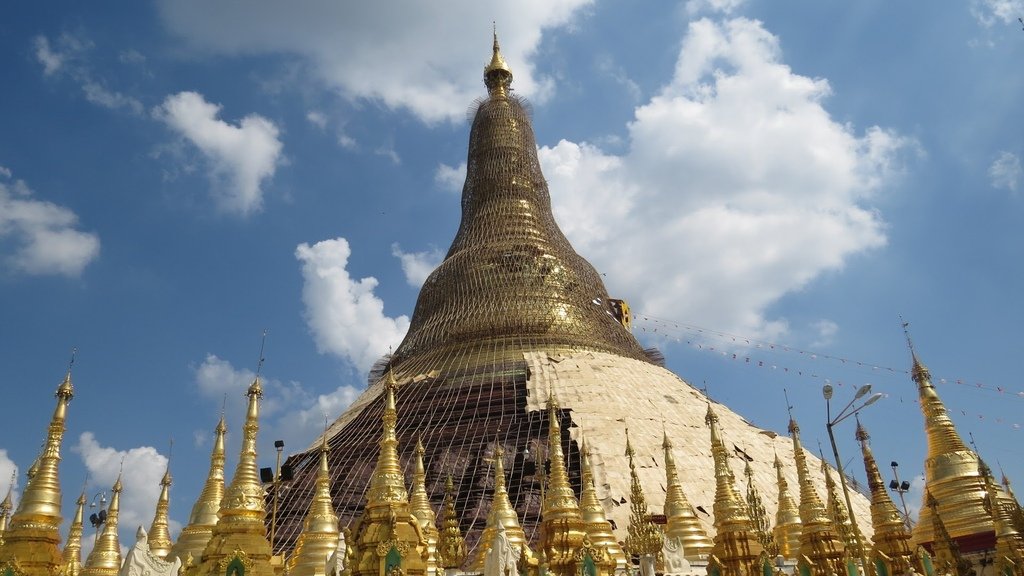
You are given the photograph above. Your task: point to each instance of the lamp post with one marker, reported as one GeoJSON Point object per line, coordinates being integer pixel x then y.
{"type": "Point", "coordinates": [901, 488]}
{"type": "Point", "coordinates": [275, 477]}
{"type": "Point", "coordinates": [98, 519]}
{"type": "Point", "coordinates": [843, 414]}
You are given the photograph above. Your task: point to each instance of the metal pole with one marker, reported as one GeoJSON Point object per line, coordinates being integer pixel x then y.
{"type": "Point", "coordinates": [276, 485]}
{"type": "Point", "coordinates": [899, 490]}
{"type": "Point", "coordinates": [868, 567]}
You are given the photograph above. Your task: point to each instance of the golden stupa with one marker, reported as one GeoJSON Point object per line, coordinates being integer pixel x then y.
{"type": "Point", "coordinates": [511, 317]}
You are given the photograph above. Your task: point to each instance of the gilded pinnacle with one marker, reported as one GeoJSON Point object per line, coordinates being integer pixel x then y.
{"type": "Point", "coordinates": [451, 546]}
{"type": "Point", "coordinates": [497, 74]}
{"type": "Point", "coordinates": [681, 520]}
{"type": "Point", "coordinates": [501, 516]}
{"type": "Point", "coordinates": [890, 537]}
{"type": "Point", "coordinates": [105, 558]}
{"type": "Point", "coordinates": [159, 532]}
{"type": "Point", "coordinates": [196, 534]}
{"type": "Point", "coordinates": [319, 536]}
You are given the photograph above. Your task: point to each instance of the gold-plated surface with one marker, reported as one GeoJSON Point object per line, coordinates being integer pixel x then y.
{"type": "Point", "coordinates": [643, 537]}
{"type": "Point", "coordinates": [387, 526]}
{"type": "Point", "coordinates": [820, 547]}
{"type": "Point", "coordinates": [837, 510]}
{"type": "Point", "coordinates": [419, 504]}
{"type": "Point", "coordinates": [159, 533]}
{"type": "Point", "coordinates": [787, 517]}
{"type": "Point", "coordinates": [891, 538]}
{"type": "Point", "coordinates": [319, 536]}
{"type": "Point", "coordinates": [451, 546]}
{"type": "Point", "coordinates": [240, 528]}
{"type": "Point", "coordinates": [501, 513]}
{"type": "Point", "coordinates": [1009, 553]}
{"type": "Point", "coordinates": [196, 534]}
{"type": "Point", "coordinates": [105, 558]}
{"type": "Point", "coordinates": [737, 551]}
{"type": "Point", "coordinates": [680, 518]}
{"type": "Point", "coordinates": [5, 509]}
{"type": "Point", "coordinates": [511, 282]}
{"type": "Point", "coordinates": [758, 514]}
{"type": "Point", "coordinates": [946, 552]}
{"type": "Point", "coordinates": [950, 470]}
{"type": "Point", "coordinates": [599, 530]}
{"type": "Point", "coordinates": [31, 540]}
{"type": "Point", "coordinates": [562, 526]}
{"type": "Point", "coordinates": [72, 565]}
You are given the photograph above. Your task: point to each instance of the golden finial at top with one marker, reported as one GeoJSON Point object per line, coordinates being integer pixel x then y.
{"type": "Point", "coordinates": [497, 74]}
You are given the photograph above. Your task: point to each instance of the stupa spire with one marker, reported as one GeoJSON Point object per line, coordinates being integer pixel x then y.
{"type": "Point", "coordinates": [819, 544]}
{"type": "Point", "coordinates": [787, 518]}
{"type": "Point", "coordinates": [73, 549]}
{"type": "Point", "coordinates": [598, 529]}
{"type": "Point", "coordinates": [32, 539]}
{"type": "Point", "coordinates": [510, 282]}
{"type": "Point", "coordinates": [319, 536]}
{"type": "Point", "coordinates": [196, 535]}
{"type": "Point", "coordinates": [562, 522]}
{"type": "Point", "coordinates": [105, 558]}
{"type": "Point", "coordinates": [835, 507]}
{"type": "Point", "coordinates": [737, 549]}
{"type": "Point", "coordinates": [891, 538]}
{"type": "Point", "coordinates": [758, 514]}
{"type": "Point", "coordinates": [6, 506]}
{"type": "Point", "coordinates": [240, 534]}
{"type": "Point", "coordinates": [419, 504]}
{"type": "Point", "coordinates": [159, 533]}
{"type": "Point", "coordinates": [951, 468]}
{"type": "Point", "coordinates": [502, 513]}
{"type": "Point", "coordinates": [451, 546]}
{"type": "Point", "coordinates": [681, 519]}
{"type": "Point", "coordinates": [387, 484]}
{"type": "Point", "coordinates": [1009, 543]}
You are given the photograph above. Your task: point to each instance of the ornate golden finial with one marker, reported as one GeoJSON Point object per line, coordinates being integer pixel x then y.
{"type": "Point", "coordinates": [241, 524]}
{"type": "Point", "coordinates": [451, 546]}
{"type": "Point", "coordinates": [643, 537]}
{"type": "Point", "coordinates": [737, 549]}
{"type": "Point", "coordinates": [105, 558]}
{"type": "Point", "coordinates": [196, 535]}
{"type": "Point", "coordinates": [891, 538]}
{"type": "Point", "coordinates": [419, 505]}
{"type": "Point", "coordinates": [596, 524]}
{"type": "Point", "coordinates": [387, 485]}
{"type": "Point", "coordinates": [31, 539]}
{"type": "Point", "coordinates": [497, 74]}
{"type": "Point", "coordinates": [1009, 553]}
{"type": "Point", "coordinates": [319, 537]}
{"type": "Point", "coordinates": [947, 554]}
{"type": "Point", "coordinates": [819, 544]}
{"type": "Point", "coordinates": [562, 522]}
{"type": "Point", "coordinates": [72, 565]}
{"type": "Point", "coordinates": [787, 518]}
{"type": "Point", "coordinates": [6, 505]}
{"type": "Point", "coordinates": [951, 468]}
{"type": "Point", "coordinates": [681, 519]}
{"type": "Point", "coordinates": [758, 514]}
{"type": "Point", "coordinates": [159, 533]}
{"type": "Point", "coordinates": [501, 514]}
{"type": "Point", "coordinates": [835, 507]}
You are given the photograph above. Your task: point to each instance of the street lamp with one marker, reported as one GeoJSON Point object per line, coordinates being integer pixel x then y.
{"type": "Point", "coordinates": [98, 519]}
{"type": "Point", "coordinates": [901, 488]}
{"type": "Point", "coordinates": [843, 414]}
{"type": "Point", "coordinates": [274, 477]}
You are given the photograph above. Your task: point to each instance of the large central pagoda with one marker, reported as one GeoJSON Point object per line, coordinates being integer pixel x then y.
{"type": "Point", "coordinates": [512, 317]}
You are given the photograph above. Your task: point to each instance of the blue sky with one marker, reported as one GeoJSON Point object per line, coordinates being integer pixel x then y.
{"type": "Point", "coordinates": [775, 181]}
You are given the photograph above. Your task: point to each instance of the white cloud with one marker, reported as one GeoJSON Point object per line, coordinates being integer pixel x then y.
{"type": "Point", "coordinates": [387, 151]}
{"type": "Point", "coordinates": [737, 188]}
{"type": "Point", "coordinates": [915, 496]}
{"type": "Point", "coordinates": [317, 118]}
{"type": "Point", "coordinates": [989, 12]}
{"type": "Point", "coordinates": [422, 69]}
{"type": "Point", "coordinates": [69, 58]}
{"type": "Point", "coordinates": [8, 479]}
{"type": "Point", "coordinates": [47, 56]}
{"type": "Point", "coordinates": [450, 178]}
{"type": "Point", "coordinates": [98, 94]}
{"type": "Point", "coordinates": [345, 316]}
{"type": "Point", "coordinates": [39, 237]}
{"type": "Point", "coordinates": [825, 331]}
{"type": "Point", "coordinates": [143, 467]}
{"type": "Point", "coordinates": [1005, 171]}
{"type": "Point", "coordinates": [417, 265]}
{"type": "Point", "coordinates": [723, 6]}
{"type": "Point", "coordinates": [239, 157]}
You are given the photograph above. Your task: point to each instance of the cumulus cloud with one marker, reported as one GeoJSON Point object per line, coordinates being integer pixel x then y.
{"type": "Point", "coordinates": [417, 265]}
{"type": "Point", "coordinates": [737, 187]}
{"type": "Point", "coordinates": [825, 331]}
{"type": "Point", "coordinates": [239, 158]}
{"type": "Point", "coordinates": [8, 478]}
{"type": "Point", "coordinates": [288, 411]}
{"type": "Point", "coordinates": [317, 118]}
{"type": "Point", "coordinates": [39, 237]}
{"type": "Point", "coordinates": [723, 6]}
{"type": "Point", "coordinates": [450, 178]}
{"type": "Point", "coordinates": [47, 56]}
{"type": "Point", "coordinates": [345, 316]}
{"type": "Point", "coordinates": [990, 12]}
{"type": "Point", "coordinates": [142, 466]}
{"type": "Point", "coordinates": [423, 69]}
{"type": "Point", "coordinates": [1005, 172]}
